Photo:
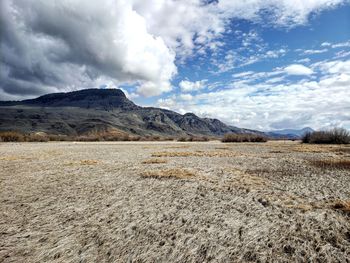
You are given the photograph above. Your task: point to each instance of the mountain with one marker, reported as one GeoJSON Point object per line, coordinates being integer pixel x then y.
{"type": "Point", "coordinates": [290, 133]}
{"type": "Point", "coordinates": [91, 110]}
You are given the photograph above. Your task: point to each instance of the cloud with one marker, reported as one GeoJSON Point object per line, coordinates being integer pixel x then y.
{"type": "Point", "coordinates": [326, 44]}
{"type": "Point", "coordinates": [320, 103]}
{"type": "Point", "coordinates": [50, 46]}
{"type": "Point", "coordinates": [187, 97]}
{"type": "Point", "coordinates": [298, 69]}
{"type": "Point", "coordinates": [343, 44]}
{"type": "Point", "coordinates": [108, 40]}
{"type": "Point", "coordinates": [314, 51]}
{"type": "Point", "coordinates": [187, 86]}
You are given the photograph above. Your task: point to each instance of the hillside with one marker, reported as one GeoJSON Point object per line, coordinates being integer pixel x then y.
{"type": "Point", "coordinates": [85, 111]}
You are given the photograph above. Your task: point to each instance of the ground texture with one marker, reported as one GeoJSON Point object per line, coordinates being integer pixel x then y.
{"type": "Point", "coordinates": [174, 202]}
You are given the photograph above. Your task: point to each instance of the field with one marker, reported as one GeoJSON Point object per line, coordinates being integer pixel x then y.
{"type": "Point", "coordinates": [174, 202]}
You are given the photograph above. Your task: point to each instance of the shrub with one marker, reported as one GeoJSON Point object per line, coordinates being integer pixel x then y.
{"type": "Point", "coordinates": [231, 137]}
{"type": "Point", "coordinates": [334, 136]}
{"type": "Point", "coordinates": [193, 139]}
{"type": "Point", "coordinates": [36, 138]}
{"type": "Point", "coordinates": [11, 136]}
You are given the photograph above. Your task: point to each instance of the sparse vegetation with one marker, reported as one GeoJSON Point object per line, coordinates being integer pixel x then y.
{"type": "Point", "coordinates": [11, 136]}
{"type": "Point", "coordinates": [231, 137]}
{"type": "Point", "coordinates": [334, 136]}
{"type": "Point", "coordinates": [278, 209]}
{"type": "Point", "coordinates": [342, 206]}
{"type": "Point", "coordinates": [332, 164]}
{"type": "Point", "coordinates": [154, 161]}
{"type": "Point", "coordinates": [193, 139]}
{"type": "Point", "coordinates": [169, 173]}
{"type": "Point", "coordinates": [97, 136]}
{"type": "Point", "coordinates": [196, 154]}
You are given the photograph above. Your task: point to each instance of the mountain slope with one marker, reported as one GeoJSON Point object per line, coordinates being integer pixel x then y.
{"type": "Point", "coordinates": [290, 133]}
{"type": "Point", "coordinates": [85, 111]}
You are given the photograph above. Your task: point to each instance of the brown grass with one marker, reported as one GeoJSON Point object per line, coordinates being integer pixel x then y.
{"type": "Point", "coordinates": [196, 154]}
{"type": "Point", "coordinates": [342, 206]}
{"type": "Point", "coordinates": [246, 179]}
{"type": "Point", "coordinates": [84, 162]}
{"type": "Point", "coordinates": [342, 150]}
{"type": "Point", "coordinates": [311, 148]}
{"type": "Point", "coordinates": [332, 164]}
{"type": "Point", "coordinates": [154, 161]}
{"type": "Point", "coordinates": [169, 173]}
{"type": "Point", "coordinates": [178, 147]}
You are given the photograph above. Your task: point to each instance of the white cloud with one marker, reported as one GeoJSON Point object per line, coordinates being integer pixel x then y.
{"type": "Point", "coordinates": [343, 44]}
{"type": "Point", "coordinates": [320, 103]}
{"type": "Point", "coordinates": [187, 86]}
{"type": "Point", "coordinates": [304, 60]}
{"type": "Point", "coordinates": [123, 41]}
{"type": "Point", "coordinates": [187, 97]}
{"type": "Point", "coordinates": [298, 69]}
{"type": "Point", "coordinates": [333, 67]}
{"type": "Point", "coordinates": [314, 51]}
{"type": "Point", "coordinates": [326, 44]}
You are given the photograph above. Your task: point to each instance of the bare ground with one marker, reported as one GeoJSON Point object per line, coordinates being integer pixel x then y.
{"type": "Point", "coordinates": [174, 202]}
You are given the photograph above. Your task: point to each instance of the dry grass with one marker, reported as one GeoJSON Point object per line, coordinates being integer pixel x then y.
{"type": "Point", "coordinates": [332, 164]}
{"type": "Point", "coordinates": [179, 147]}
{"type": "Point", "coordinates": [169, 173]}
{"type": "Point", "coordinates": [196, 209]}
{"type": "Point", "coordinates": [196, 154]}
{"type": "Point", "coordinates": [13, 158]}
{"type": "Point", "coordinates": [84, 162]}
{"type": "Point", "coordinates": [311, 148]}
{"type": "Point", "coordinates": [154, 161]}
{"type": "Point", "coordinates": [245, 179]}
{"type": "Point", "coordinates": [342, 206]}
{"type": "Point", "coordinates": [342, 150]}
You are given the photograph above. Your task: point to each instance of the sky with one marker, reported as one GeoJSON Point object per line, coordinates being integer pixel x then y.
{"type": "Point", "coordinates": [258, 64]}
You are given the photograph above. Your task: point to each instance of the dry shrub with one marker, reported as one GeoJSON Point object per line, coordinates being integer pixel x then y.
{"type": "Point", "coordinates": [231, 137]}
{"type": "Point", "coordinates": [11, 136]}
{"type": "Point", "coordinates": [37, 138]}
{"type": "Point", "coordinates": [169, 173]}
{"type": "Point", "coordinates": [154, 161]}
{"type": "Point", "coordinates": [332, 164]}
{"type": "Point", "coordinates": [334, 136]}
{"type": "Point", "coordinates": [193, 139]}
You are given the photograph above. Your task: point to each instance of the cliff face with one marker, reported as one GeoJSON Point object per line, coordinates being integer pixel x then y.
{"type": "Point", "coordinates": [89, 110]}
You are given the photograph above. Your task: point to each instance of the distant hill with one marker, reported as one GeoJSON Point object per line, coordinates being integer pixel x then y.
{"type": "Point", "coordinates": [290, 133]}
{"type": "Point", "coordinates": [92, 110]}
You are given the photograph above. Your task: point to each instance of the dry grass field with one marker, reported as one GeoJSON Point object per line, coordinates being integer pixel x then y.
{"type": "Point", "coordinates": [174, 202]}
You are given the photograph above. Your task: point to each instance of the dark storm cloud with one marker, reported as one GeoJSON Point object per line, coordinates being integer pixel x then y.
{"type": "Point", "coordinates": [49, 46]}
